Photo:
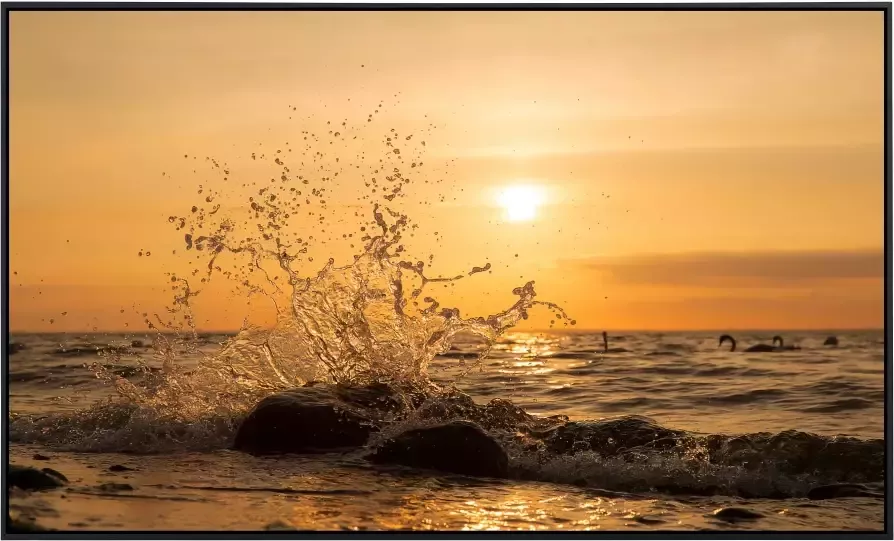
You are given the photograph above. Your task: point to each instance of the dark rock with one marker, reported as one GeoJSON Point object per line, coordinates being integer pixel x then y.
{"type": "Point", "coordinates": [23, 525]}
{"type": "Point", "coordinates": [305, 420]}
{"type": "Point", "coordinates": [54, 473]}
{"type": "Point", "coordinates": [38, 456]}
{"type": "Point", "coordinates": [448, 406]}
{"type": "Point", "coordinates": [840, 490]}
{"type": "Point", "coordinates": [456, 447]}
{"type": "Point", "coordinates": [733, 514]}
{"type": "Point", "coordinates": [831, 341]}
{"type": "Point", "coordinates": [119, 467]}
{"type": "Point", "coordinates": [114, 487]}
{"type": "Point", "coordinates": [378, 398]}
{"type": "Point", "coordinates": [498, 414]}
{"type": "Point", "coordinates": [32, 479]}
{"type": "Point", "coordinates": [502, 414]}
{"type": "Point", "coordinates": [15, 347]}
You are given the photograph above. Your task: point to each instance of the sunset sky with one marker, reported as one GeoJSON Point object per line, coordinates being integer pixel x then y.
{"type": "Point", "coordinates": [700, 170]}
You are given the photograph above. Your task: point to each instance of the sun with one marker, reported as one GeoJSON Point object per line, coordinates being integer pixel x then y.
{"type": "Point", "coordinates": [520, 202]}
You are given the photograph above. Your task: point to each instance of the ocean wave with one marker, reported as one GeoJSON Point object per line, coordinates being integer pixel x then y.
{"type": "Point", "coordinates": [747, 397]}
{"type": "Point", "coordinates": [629, 453]}
{"type": "Point", "coordinates": [845, 404]}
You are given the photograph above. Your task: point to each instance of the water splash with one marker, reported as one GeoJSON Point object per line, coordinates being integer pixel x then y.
{"type": "Point", "coordinates": [373, 320]}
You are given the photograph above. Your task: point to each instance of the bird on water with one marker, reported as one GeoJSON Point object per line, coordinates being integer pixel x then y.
{"type": "Point", "coordinates": [757, 348]}
{"type": "Point", "coordinates": [606, 349]}
{"type": "Point", "coordinates": [782, 345]}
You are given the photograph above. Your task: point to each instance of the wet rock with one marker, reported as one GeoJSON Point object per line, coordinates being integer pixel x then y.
{"type": "Point", "coordinates": [610, 437]}
{"type": "Point", "coordinates": [450, 406]}
{"type": "Point", "coordinates": [457, 447]}
{"type": "Point", "coordinates": [840, 490]}
{"type": "Point", "coordinates": [498, 414]}
{"type": "Point", "coordinates": [119, 468]}
{"type": "Point", "coordinates": [38, 456]}
{"type": "Point", "coordinates": [115, 487]}
{"type": "Point", "coordinates": [734, 514]}
{"type": "Point", "coordinates": [33, 479]}
{"type": "Point", "coordinates": [306, 420]}
{"type": "Point", "coordinates": [502, 414]}
{"type": "Point", "coordinates": [379, 399]}
{"type": "Point", "coordinates": [23, 525]}
{"type": "Point", "coordinates": [54, 473]}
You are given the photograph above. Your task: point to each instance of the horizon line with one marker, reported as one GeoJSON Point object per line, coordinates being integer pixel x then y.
{"type": "Point", "coordinates": [562, 330]}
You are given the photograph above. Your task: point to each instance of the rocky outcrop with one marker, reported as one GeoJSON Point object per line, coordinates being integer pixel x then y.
{"type": "Point", "coordinates": [447, 406]}
{"type": "Point", "coordinates": [498, 414]}
{"type": "Point", "coordinates": [456, 447]}
{"type": "Point", "coordinates": [318, 418]}
{"type": "Point", "coordinates": [23, 525]}
{"type": "Point", "coordinates": [501, 414]}
{"type": "Point", "coordinates": [27, 478]}
{"type": "Point", "coordinates": [322, 417]}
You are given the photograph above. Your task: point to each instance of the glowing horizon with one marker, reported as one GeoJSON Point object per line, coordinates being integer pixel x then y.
{"type": "Point", "coordinates": [619, 173]}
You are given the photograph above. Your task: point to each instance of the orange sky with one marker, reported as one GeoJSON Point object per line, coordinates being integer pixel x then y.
{"type": "Point", "coordinates": [713, 170]}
